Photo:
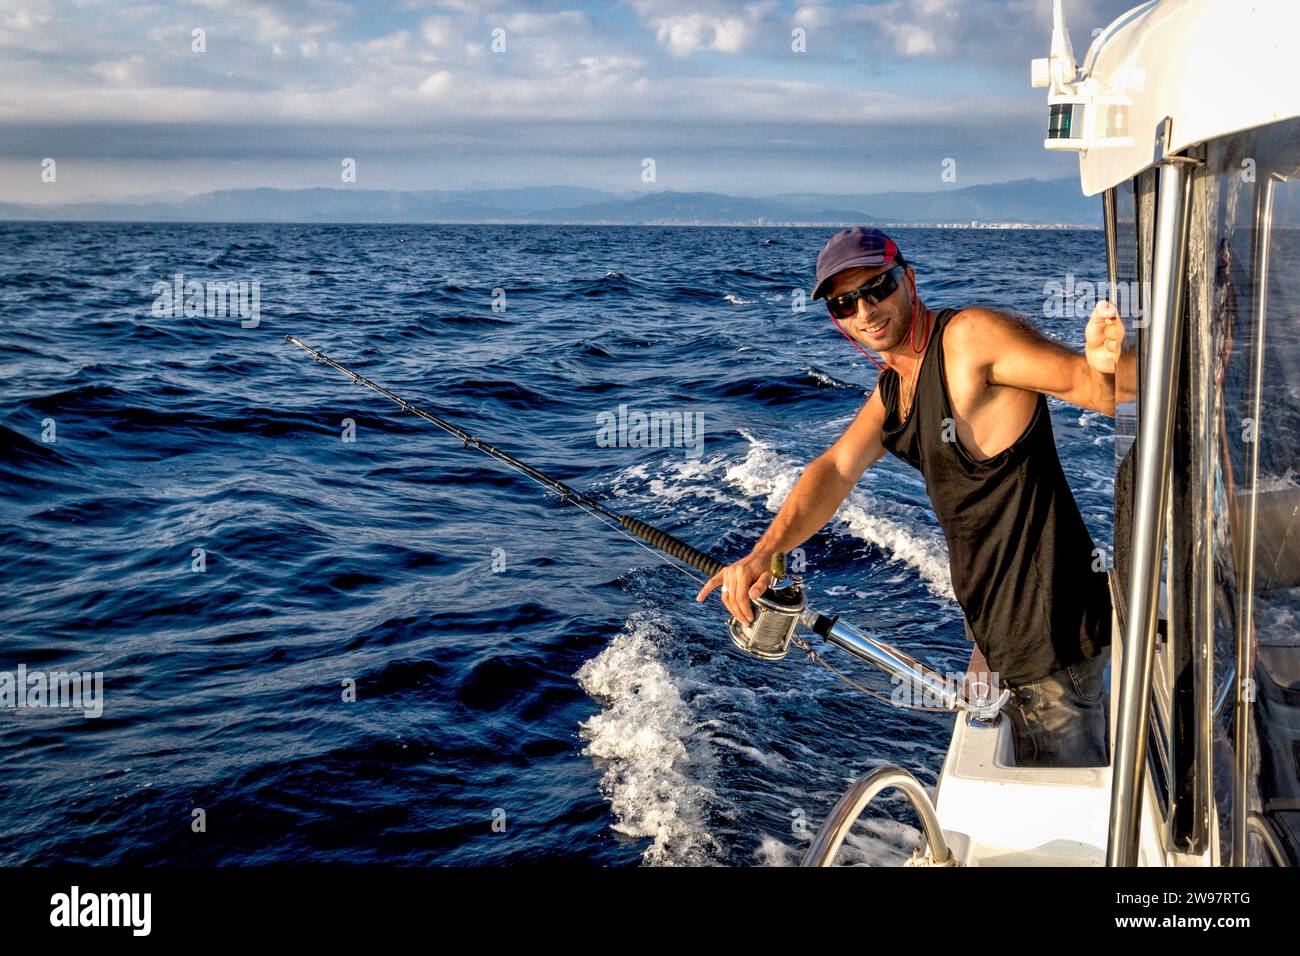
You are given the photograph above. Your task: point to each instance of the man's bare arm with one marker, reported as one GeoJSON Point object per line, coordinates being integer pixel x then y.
{"type": "Point", "coordinates": [820, 490]}
{"type": "Point", "coordinates": [1012, 352]}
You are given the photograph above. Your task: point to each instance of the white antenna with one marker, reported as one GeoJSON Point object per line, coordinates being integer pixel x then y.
{"type": "Point", "coordinates": [1062, 51]}
{"type": "Point", "coordinates": [1059, 69]}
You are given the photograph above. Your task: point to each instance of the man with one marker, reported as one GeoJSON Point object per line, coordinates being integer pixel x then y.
{"type": "Point", "coordinates": [963, 399]}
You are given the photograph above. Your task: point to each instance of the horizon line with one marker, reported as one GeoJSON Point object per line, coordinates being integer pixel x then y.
{"type": "Point", "coordinates": [181, 196]}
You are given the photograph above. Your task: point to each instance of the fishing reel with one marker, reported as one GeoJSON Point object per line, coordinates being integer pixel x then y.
{"type": "Point", "coordinates": [776, 615]}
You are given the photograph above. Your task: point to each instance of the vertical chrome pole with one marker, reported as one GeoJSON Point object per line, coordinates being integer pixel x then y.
{"type": "Point", "coordinates": [1155, 433]}
{"type": "Point", "coordinates": [1245, 667]}
{"type": "Point", "coordinates": [1110, 220]}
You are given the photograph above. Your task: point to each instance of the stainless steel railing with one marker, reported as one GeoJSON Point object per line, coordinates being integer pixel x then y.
{"type": "Point", "coordinates": [850, 806]}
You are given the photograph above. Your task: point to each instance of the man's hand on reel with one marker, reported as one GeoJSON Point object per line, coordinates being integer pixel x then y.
{"type": "Point", "coordinates": [741, 582]}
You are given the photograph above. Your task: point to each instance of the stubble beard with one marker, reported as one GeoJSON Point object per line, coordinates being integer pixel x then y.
{"type": "Point", "coordinates": [901, 325]}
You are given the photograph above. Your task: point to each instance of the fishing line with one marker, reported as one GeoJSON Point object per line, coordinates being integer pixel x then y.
{"type": "Point", "coordinates": [567, 494]}
{"type": "Point", "coordinates": [816, 658]}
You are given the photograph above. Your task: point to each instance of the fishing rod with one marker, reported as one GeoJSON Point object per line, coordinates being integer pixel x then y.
{"type": "Point", "coordinates": [779, 610]}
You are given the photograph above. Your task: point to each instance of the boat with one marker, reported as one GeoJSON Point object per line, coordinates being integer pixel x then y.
{"type": "Point", "coordinates": [1186, 121]}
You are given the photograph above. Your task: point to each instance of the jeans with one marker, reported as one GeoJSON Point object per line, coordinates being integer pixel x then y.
{"type": "Point", "coordinates": [1060, 720]}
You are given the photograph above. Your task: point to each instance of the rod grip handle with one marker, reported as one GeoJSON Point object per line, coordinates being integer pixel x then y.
{"type": "Point", "coordinates": [670, 545]}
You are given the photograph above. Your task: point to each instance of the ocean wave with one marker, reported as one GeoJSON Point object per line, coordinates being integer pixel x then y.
{"type": "Point", "coordinates": [610, 283]}
{"type": "Point", "coordinates": [822, 378]}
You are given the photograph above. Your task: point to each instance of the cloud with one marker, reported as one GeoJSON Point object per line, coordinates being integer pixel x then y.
{"type": "Point", "coordinates": [687, 33]}
{"type": "Point", "coordinates": [1004, 32]}
{"type": "Point", "coordinates": [686, 28]}
{"type": "Point", "coordinates": [438, 32]}
{"type": "Point", "coordinates": [709, 87]}
{"type": "Point", "coordinates": [387, 47]}
{"type": "Point", "coordinates": [122, 72]}
{"type": "Point", "coordinates": [544, 23]}
{"type": "Point", "coordinates": [282, 20]}
{"type": "Point", "coordinates": [436, 85]}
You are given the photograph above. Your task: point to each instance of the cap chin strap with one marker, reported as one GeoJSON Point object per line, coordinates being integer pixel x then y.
{"type": "Point", "coordinates": [855, 343]}
{"type": "Point", "coordinates": [911, 338]}
{"type": "Point", "coordinates": [911, 335]}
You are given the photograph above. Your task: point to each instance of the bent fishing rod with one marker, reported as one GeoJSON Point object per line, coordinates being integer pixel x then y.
{"type": "Point", "coordinates": [778, 611]}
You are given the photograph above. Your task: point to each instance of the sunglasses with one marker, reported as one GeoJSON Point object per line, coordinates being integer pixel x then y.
{"type": "Point", "coordinates": [875, 289]}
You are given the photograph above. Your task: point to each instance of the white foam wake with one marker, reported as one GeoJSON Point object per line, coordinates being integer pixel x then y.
{"type": "Point", "coordinates": [874, 841]}
{"type": "Point", "coordinates": [650, 746]}
{"type": "Point", "coordinates": [769, 474]}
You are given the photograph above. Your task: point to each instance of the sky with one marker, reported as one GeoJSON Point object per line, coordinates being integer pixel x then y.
{"type": "Point", "coordinates": [128, 100]}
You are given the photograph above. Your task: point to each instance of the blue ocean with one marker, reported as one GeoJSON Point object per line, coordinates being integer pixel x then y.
{"type": "Point", "coordinates": [328, 633]}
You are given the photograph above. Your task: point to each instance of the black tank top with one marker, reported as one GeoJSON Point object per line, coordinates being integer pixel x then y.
{"type": "Point", "coordinates": [1020, 556]}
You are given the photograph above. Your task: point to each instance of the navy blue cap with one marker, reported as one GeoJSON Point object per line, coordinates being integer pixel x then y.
{"type": "Point", "coordinates": [849, 248]}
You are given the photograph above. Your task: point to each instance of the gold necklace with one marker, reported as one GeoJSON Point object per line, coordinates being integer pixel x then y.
{"type": "Point", "coordinates": [906, 407]}
{"type": "Point", "coordinates": [912, 378]}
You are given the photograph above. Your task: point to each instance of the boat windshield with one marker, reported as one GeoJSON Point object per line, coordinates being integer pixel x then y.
{"type": "Point", "coordinates": [1243, 315]}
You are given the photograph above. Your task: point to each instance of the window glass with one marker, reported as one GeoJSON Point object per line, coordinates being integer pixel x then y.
{"type": "Point", "coordinates": [1126, 285]}
{"type": "Point", "coordinates": [1244, 303]}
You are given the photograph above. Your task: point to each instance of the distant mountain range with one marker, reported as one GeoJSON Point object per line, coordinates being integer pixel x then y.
{"type": "Point", "coordinates": [1025, 201]}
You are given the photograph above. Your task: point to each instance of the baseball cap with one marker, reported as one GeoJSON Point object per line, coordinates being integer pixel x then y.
{"type": "Point", "coordinates": [849, 248]}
